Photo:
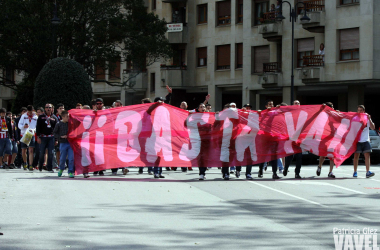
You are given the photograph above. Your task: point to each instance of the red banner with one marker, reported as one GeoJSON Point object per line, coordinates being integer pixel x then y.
{"type": "Point", "coordinates": [166, 136]}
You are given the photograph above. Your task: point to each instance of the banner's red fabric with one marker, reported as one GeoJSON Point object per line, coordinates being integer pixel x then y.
{"type": "Point", "coordinates": [162, 135]}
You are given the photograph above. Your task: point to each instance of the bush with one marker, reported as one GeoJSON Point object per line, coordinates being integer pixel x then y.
{"type": "Point", "coordinates": [62, 80]}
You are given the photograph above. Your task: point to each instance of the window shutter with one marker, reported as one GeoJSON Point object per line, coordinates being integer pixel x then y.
{"type": "Point", "coordinates": [224, 8]}
{"type": "Point", "coordinates": [100, 73]}
{"type": "Point", "coordinates": [239, 51]}
{"type": "Point", "coordinates": [223, 55]}
{"type": "Point", "coordinates": [116, 72]}
{"type": "Point", "coordinates": [261, 55]}
{"type": "Point", "coordinates": [305, 44]}
{"type": "Point", "coordinates": [349, 39]}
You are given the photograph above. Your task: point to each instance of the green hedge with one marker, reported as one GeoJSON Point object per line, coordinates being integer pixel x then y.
{"type": "Point", "coordinates": [62, 80]}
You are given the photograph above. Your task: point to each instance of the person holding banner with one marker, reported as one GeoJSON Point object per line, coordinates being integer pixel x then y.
{"type": "Point", "coordinates": [15, 141]}
{"type": "Point", "coordinates": [364, 146]}
{"type": "Point", "coordinates": [6, 134]}
{"type": "Point", "coordinates": [28, 121]}
{"type": "Point", "coordinates": [201, 167]}
{"type": "Point", "coordinates": [269, 105]}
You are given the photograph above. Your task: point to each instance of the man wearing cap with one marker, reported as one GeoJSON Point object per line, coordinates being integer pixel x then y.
{"type": "Point", "coordinates": [118, 104]}
{"type": "Point", "coordinates": [247, 106]}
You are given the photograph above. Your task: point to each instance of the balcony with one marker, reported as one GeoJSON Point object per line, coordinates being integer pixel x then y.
{"type": "Point", "coordinates": [138, 80]}
{"type": "Point", "coordinates": [269, 28]}
{"type": "Point", "coordinates": [313, 70]}
{"type": "Point", "coordinates": [272, 76]}
{"type": "Point", "coordinates": [174, 75]}
{"type": "Point", "coordinates": [177, 33]}
{"type": "Point", "coordinates": [316, 13]}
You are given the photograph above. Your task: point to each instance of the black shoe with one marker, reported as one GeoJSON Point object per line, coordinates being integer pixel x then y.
{"type": "Point", "coordinates": [12, 166]}
{"type": "Point", "coordinates": [298, 176]}
{"type": "Point", "coordinates": [101, 174]}
{"type": "Point", "coordinates": [275, 177]}
{"type": "Point", "coordinates": [167, 169]}
{"type": "Point", "coordinates": [285, 172]}
{"type": "Point", "coordinates": [161, 176]}
{"type": "Point", "coordinates": [184, 171]}
{"type": "Point", "coordinates": [140, 171]}
{"type": "Point", "coordinates": [260, 175]}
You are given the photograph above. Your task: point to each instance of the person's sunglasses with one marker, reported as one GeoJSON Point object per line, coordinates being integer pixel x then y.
{"type": "Point", "coordinates": [99, 103]}
{"type": "Point", "coordinates": [48, 107]}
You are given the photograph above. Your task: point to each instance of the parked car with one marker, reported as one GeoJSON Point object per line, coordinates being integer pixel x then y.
{"type": "Point", "coordinates": [375, 144]}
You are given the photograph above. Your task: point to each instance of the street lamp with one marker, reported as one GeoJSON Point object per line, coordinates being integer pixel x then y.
{"type": "Point", "coordinates": [55, 21]}
{"type": "Point", "coordinates": [293, 18]}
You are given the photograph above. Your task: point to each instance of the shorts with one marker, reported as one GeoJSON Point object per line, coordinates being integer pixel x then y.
{"type": "Point", "coordinates": [32, 143]}
{"type": "Point", "coordinates": [5, 146]}
{"type": "Point", "coordinates": [14, 147]}
{"type": "Point", "coordinates": [363, 147]}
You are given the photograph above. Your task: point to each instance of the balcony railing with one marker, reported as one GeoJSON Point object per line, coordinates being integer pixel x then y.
{"type": "Point", "coordinates": [313, 61]}
{"type": "Point", "coordinates": [312, 6]}
{"type": "Point", "coordinates": [272, 67]}
{"type": "Point", "coordinates": [268, 17]}
{"type": "Point", "coordinates": [172, 67]}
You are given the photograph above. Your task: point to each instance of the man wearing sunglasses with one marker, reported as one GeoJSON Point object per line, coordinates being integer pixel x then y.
{"type": "Point", "coordinates": [44, 130]}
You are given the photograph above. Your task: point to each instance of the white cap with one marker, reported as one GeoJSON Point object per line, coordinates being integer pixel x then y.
{"type": "Point", "coordinates": [232, 103]}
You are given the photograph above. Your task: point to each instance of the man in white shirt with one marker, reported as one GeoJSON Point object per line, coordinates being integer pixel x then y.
{"type": "Point", "coordinates": [364, 146]}
{"type": "Point", "coordinates": [28, 121]}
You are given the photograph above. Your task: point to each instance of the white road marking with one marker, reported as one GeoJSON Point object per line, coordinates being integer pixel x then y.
{"type": "Point", "coordinates": [320, 184]}
{"type": "Point", "coordinates": [294, 196]}
{"type": "Point", "coordinates": [309, 201]}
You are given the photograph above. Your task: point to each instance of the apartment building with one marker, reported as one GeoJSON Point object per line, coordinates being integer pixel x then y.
{"type": "Point", "coordinates": [237, 51]}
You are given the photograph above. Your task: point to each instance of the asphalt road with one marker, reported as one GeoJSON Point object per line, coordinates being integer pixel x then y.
{"type": "Point", "coordinates": [42, 211]}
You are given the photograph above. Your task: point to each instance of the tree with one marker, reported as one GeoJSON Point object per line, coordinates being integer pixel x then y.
{"type": "Point", "coordinates": [90, 32]}
{"type": "Point", "coordinates": [62, 80]}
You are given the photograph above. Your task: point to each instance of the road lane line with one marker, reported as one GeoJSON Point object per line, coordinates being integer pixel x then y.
{"type": "Point", "coordinates": [321, 184]}
{"type": "Point", "coordinates": [294, 196]}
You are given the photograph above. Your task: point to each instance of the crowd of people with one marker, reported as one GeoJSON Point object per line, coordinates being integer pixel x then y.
{"type": "Point", "coordinates": [49, 142]}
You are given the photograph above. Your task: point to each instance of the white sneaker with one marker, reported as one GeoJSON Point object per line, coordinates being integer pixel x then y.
{"type": "Point", "coordinates": [201, 177]}
{"type": "Point", "coordinates": [249, 177]}
{"type": "Point", "coordinates": [280, 171]}
{"type": "Point", "coordinates": [227, 177]}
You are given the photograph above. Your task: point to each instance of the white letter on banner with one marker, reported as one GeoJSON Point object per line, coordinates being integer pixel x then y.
{"type": "Point", "coordinates": [293, 134]}
{"type": "Point", "coordinates": [338, 136]}
{"type": "Point", "coordinates": [99, 142]}
{"type": "Point", "coordinates": [247, 138]}
{"type": "Point", "coordinates": [85, 142]}
{"type": "Point", "coordinates": [313, 138]}
{"type": "Point", "coordinates": [350, 138]}
{"type": "Point", "coordinates": [187, 154]}
{"type": "Point", "coordinates": [132, 138]}
{"type": "Point", "coordinates": [156, 142]}
{"type": "Point", "coordinates": [226, 115]}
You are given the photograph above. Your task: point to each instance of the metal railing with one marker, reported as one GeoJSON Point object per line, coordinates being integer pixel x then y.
{"type": "Point", "coordinates": [312, 6]}
{"type": "Point", "coordinates": [172, 67]}
{"type": "Point", "coordinates": [272, 67]}
{"type": "Point", "coordinates": [313, 60]}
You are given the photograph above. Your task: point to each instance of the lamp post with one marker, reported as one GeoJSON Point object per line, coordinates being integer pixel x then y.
{"type": "Point", "coordinates": [55, 21]}
{"type": "Point", "coordinates": [293, 18]}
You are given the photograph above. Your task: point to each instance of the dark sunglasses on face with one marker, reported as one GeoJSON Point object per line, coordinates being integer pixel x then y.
{"type": "Point", "coordinates": [99, 103]}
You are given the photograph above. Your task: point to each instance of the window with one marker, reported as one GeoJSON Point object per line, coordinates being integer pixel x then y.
{"type": "Point", "coordinates": [152, 82]}
{"type": "Point", "coordinates": [261, 7]}
{"type": "Point", "coordinates": [202, 13]}
{"type": "Point", "coordinates": [154, 4]}
{"type": "Point", "coordinates": [223, 54]}
{"type": "Point", "coordinates": [224, 12]}
{"type": "Point", "coordinates": [349, 44]}
{"type": "Point", "coordinates": [342, 2]}
{"type": "Point", "coordinates": [261, 55]}
{"type": "Point", "coordinates": [202, 56]}
{"type": "Point", "coordinates": [9, 75]}
{"type": "Point", "coordinates": [100, 73]}
{"type": "Point", "coordinates": [239, 11]}
{"type": "Point", "coordinates": [115, 74]}
{"type": "Point", "coordinates": [305, 47]}
{"type": "Point", "coordinates": [239, 55]}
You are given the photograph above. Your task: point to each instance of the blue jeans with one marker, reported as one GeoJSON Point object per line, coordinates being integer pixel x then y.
{"type": "Point", "coordinates": [5, 147]}
{"type": "Point", "coordinates": [157, 170]}
{"type": "Point", "coordinates": [66, 151]}
{"type": "Point", "coordinates": [280, 166]}
{"type": "Point", "coordinates": [14, 147]}
{"type": "Point", "coordinates": [47, 143]}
